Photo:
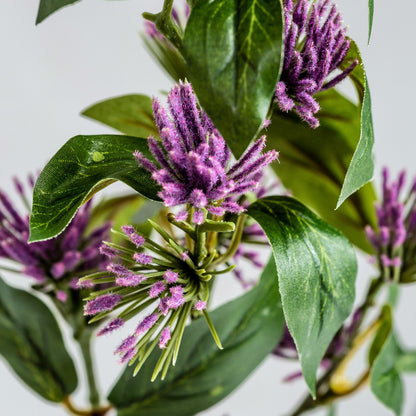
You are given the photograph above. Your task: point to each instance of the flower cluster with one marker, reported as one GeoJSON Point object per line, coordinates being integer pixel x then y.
{"type": "Point", "coordinates": [55, 263]}
{"type": "Point", "coordinates": [395, 237]}
{"type": "Point", "coordinates": [315, 46]}
{"type": "Point", "coordinates": [193, 158]}
{"type": "Point", "coordinates": [165, 283]}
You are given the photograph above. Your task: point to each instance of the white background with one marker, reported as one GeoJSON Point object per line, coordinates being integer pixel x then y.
{"type": "Point", "coordinates": [92, 51]}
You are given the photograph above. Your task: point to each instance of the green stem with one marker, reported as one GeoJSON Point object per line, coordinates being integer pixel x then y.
{"type": "Point", "coordinates": [235, 242]}
{"type": "Point", "coordinates": [165, 25]}
{"type": "Point", "coordinates": [84, 341]}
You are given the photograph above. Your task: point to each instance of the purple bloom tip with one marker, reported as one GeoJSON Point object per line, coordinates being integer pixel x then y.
{"type": "Point", "coordinates": [110, 327]}
{"type": "Point", "coordinates": [146, 324]}
{"type": "Point", "coordinates": [164, 337]}
{"type": "Point", "coordinates": [108, 251]}
{"type": "Point", "coordinates": [156, 289]}
{"type": "Point", "coordinates": [170, 276]}
{"type": "Point", "coordinates": [101, 304]}
{"type": "Point", "coordinates": [126, 345]}
{"type": "Point", "coordinates": [200, 305]}
{"type": "Point", "coordinates": [61, 296]}
{"type": "Point", "coordinates": [142, 258]}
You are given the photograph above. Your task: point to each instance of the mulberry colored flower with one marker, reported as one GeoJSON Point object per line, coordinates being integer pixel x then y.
{"type": "Point", "coordinates": [395, 237]}
{"type": "Point", "coordinates": [193, 158]}
{"type": "Point", "coordinates": [165, 289]}
{"type": "Point", "coordinates": [315, 46]}
{"type": "Point", "coordinates": [54, 263]}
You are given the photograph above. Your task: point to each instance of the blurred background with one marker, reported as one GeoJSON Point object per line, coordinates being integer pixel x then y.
{"type": "Point", "coordinates": [91, 51]}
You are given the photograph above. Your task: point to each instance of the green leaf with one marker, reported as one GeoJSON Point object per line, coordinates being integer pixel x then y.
{"type": "Point", "coordinates": [130, 114]}
{"type": "Point", "coordinates": [249, 328]}
{"type": "Point", "coordinates": [168, 57]}
{"type": "Point", "coordinates": [313, 164]}
{"type": "Point", "coordinates": [361, 168]}
{"type": "Point", "coordinates": [31, 342]}
{"type": "Point", "coordinates": [385, 380]}
{"type": "Point", "coordinates": [83, 166]}
{"type": "Point", "coordinates": [233, 52]}
{"type": "Point", "coordinates": [407, 362]}
{"type": "Point", "coordinates": [332, 410]}
{"type": "Point", "coordinates": [47, 7]}
{"type": "Point", "coordinates": [382, 335]}
{"type": "Point", "coordinates": [370, 18]}
{"type": "Point", "coordinates": [316, 267]}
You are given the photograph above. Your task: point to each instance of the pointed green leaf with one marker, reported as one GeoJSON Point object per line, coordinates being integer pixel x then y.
{"type": "Point", "coordinates": [385, 380]}
{"type": "Point", "coordinates": [316, 267]}
{"type": "Point", "coordinates": [233, 52]}
{"type": "Point", "coordinates": [249, 328]}
{"type": "Point", "coordinates": [130, 114]}
{"type": "Point", "coordinates": [361, 168]}
{"type": "Point", "coordinates": [370, 18]}
{"type": "Point", "coordinates": [83, 166]}
{"type": "Point", "coordinates": [47, 7]}
{"type": "Point", "coordinates": [313, 164]}
{"type": "Point", "coordinates": [31, 342]}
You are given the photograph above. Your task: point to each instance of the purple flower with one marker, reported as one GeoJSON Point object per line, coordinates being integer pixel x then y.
{"type": "Point", "coordinates": [126, 345]}
{"type": "Point", "coordinates": [101, 304]}
{"type": "Point", "coordinates": [200, 305]}
{"type": "Point", "coordinates": [110, 327]}
{"type": "Point", "coordinates": [165, 292]}
{"type": "Point", "coordinates": [395, 236]}
{"type": "Point", "coordinates": [146, 324]}
{"type": "Point", "coordinates": [55, 261]}
{"type": "Point", "coordinates": [156, 289]}
{"type": "Point", "coordinates": [315, 46]}
{"type": "Point", "coordinates": [192, 159]}
{"type": "Point", "coordinates": [170, 276]}
{"type": "Point", "coordinates": [164, 337]}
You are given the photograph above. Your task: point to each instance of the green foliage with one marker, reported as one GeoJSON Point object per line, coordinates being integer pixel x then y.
{"type": "Point", "coordinates": [316, 268]}
{"type": "Point", "coordinates": [130, 114]}
{"type": "Point", "coordinates": [385, 380]}
{"type": "Point", "coordinates": [31, 342]}
{"type": "Point", "coordinates": [249, 327]}
{"type": "Point", "coordinates": [385, 377]}
{"type": "Point", "coordinates": [233, 52]}
{"type": "Point", "coordinates": [370, 18]}
{"type": "Point", "coordinates": [361, 168]}
{"type": "Point", "coordinates": [313, 164]}
{"type": "Point", "coordinates": [83, 166]}
{"type": "Point", "coordinates": [47, 7]}
{"type": "Point", "coordinates": [407, 362]}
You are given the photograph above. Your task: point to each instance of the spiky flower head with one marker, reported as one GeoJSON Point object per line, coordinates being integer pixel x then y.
{"type": "Point", "coordinates": [394, 239]}
{"type": "Point", "coordinates": [193, 159]}
{"type": "Point", "coordinates": [315, 46]}
{"type": "Point", "coordinates": [163, 284]}
{"type": "Point", "coordinates": [55, 264]}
